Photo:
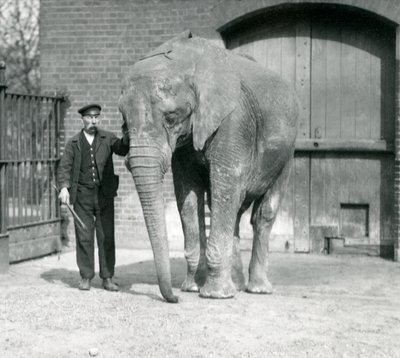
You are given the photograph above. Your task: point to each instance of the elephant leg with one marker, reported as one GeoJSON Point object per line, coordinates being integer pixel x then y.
{"type": "Point", "coordinates": [225, 204]}
{"type": "Point", "coordinates": [229, 157]}
{"type": "Point", "coordinates": [189, 191]}
{"type": "Point", "coordinates": [263, 217]}
{"type": "Point", "coordinates": [237, 264]}
{"type": "Point", "coordinates": [202, 269]}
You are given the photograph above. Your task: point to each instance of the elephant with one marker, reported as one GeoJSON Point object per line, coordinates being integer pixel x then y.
{"type": "Point", "coordinates": [227, 127]}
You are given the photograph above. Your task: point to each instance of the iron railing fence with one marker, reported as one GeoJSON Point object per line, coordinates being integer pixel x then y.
{"type": "Point", "coordinates": [29, 155]}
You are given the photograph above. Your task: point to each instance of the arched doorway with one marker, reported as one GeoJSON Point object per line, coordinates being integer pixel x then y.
{"type": "Point", "coordinates": [342, 64]}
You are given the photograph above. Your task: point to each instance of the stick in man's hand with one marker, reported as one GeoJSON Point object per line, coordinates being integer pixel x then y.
{"type": "Point", "coordinates": [74, 214]}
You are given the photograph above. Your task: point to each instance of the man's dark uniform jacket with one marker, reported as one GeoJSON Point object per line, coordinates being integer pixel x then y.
{"type": "Point", "coordinates": [88, 173]}
{"type": "Point", "coordinates": [106, 144]}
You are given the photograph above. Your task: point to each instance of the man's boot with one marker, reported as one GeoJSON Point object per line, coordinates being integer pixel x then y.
{"type": "Point", "coordinates": [84, 284]}
{"type": "Point", "coordinates": [109, 285]}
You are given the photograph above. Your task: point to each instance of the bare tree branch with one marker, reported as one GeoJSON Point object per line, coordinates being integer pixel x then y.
{"type": "Point", "coordinates": [19, 39]}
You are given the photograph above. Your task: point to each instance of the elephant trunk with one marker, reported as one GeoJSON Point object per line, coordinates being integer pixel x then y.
{"type": "Point", "coordinates": [146, 166]}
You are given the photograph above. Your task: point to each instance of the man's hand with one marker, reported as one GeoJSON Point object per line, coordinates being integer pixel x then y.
{"type": "Point", "coordinates": [125, 138]}
{"type": "Point", "coordinates": [64, 196]}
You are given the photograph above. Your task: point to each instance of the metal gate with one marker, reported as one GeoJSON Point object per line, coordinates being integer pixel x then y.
{"type": "Point", "coordinates": [29, 155]}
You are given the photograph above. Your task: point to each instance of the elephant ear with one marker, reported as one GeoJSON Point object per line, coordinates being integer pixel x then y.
{"type": "Point", "coordinates": [217, 87]}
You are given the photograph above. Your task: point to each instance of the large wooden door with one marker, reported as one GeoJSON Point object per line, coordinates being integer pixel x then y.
{"type": "Point", "coordinates": [343, 68]}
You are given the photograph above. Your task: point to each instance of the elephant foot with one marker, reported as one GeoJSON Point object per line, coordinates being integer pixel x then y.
{"type": "Point", "coordinates": [214, 288]}
{"type": "Point", "coordinates": [259, 285]}
{"type": "Point", "coordinates": [189, 285]}
{"type": "Point", "coordinates": [201, 273]}
{"type": "Point", "coordinates": [237, 267]}
{"type": "Point", "coordinates": [238, 279]}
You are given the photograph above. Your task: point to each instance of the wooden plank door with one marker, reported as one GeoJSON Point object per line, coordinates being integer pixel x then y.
{"type": "Point", "coordinates": [352, 101]}
{"type": "Point", "coordinates": [343, 69]}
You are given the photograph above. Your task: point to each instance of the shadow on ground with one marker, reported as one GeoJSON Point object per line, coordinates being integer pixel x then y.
{"type": "Point", "coordinates": [288, 274]}
{"type": "Point", "coordinates": [126, 276]}
{"type": "Point", "coordinates": [284, 271]}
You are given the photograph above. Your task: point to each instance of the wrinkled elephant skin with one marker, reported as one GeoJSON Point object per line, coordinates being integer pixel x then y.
{"type": "Point", "coordinates": [227, 128]}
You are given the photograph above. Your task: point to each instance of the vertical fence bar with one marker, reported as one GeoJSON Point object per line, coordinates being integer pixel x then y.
{"type": "Point", "coordinates": [37, 178]}
{"type": "Point", "coordinates": [25, 155]}
{"type": "Point", "coordinates": [28, 158]}
{"type": "Point", "coordinates": [18, 121]}
{"type": "Point", "coordinates": [12, 124]}
{"type": "Point", "coordinates": [29, 134]}
{"type": "Point", "coordinates": [49, 111]}
{"type": "Point", "coordinates": [8, 176]}
{"type": "Point", "coordinates": [4, 237]}
{"type": "Point", "coordinates": [57, 116]}
{"type": "Point", "coordinates": [49, 192]}
{"type": "Point", "coordinates": [19, 163]}
{"type": "Point", "coordinates": [41, 124]}
{"type": "Point", "coordinates": [34, 128]}
{"type": "Point", "coordinates": [33, 157]}
{"type": "Point", "coordinates": [12, 149]}
{"type": "Point", "coordinates": [7, 128]}
{"type": "Point", "coordinates": [31, 206]}
{"type": "Point", "coordinates": [19, 192]}
{"type": "Point", "coordinates": [43, 163]}
{"type": "Point", "coordinates": [23, 158]}
{"type": "Point", "coordinates": [4, 242]}
{"type": "Point", "coordinates": [49, 162]}
{"type": "Point", "coordinates": [3, 88]}
{"type": "Point", "coordinates": [27, 129]}
{"type": "Point", "coordinates": [57, 127]}
{"type": "Point", "coordinates": [24, 192]}
{"type": "Point", "coordinates": [11, 203]}
{"type": "Point", "coordinates": [37, 154]}
{"type": "Point", "coordinates": [23, 126]}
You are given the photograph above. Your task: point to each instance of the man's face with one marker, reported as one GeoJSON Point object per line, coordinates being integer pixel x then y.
{"type": "Point", "coordinates": [91, 120]}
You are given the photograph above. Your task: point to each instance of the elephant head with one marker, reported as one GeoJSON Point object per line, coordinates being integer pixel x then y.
{"type": "Point", "coordinates": [181, 91]}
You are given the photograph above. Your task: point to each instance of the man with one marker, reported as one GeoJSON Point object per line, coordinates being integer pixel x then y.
{"type": "Point", "coordinates": [86, 179]}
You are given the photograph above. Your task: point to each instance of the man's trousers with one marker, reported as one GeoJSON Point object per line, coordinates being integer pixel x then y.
{"type": "Point", "coordinates": [97, 213]}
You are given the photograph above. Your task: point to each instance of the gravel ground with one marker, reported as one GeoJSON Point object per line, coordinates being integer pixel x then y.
{"type": "Point", "coordinates": [323, 306]}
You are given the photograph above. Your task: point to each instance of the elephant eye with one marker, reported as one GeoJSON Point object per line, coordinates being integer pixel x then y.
{"type": "Point", "coordinates": [170, 117]}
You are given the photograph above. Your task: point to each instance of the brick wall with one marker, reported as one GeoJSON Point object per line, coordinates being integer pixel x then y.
{"type": "Point", "coordinates": [86, 46]}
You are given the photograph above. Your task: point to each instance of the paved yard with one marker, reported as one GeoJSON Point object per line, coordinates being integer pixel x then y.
{"type": "Point", "coordinates": [323, 306]}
